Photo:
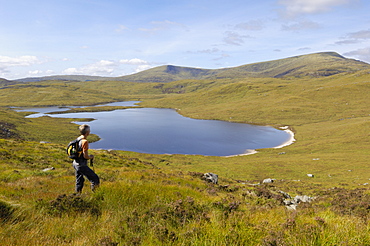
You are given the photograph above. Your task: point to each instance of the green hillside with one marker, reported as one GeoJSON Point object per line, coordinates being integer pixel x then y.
{"type": "Point", "coordinates": [168, 73]}
{"type": "Point", "coordinates": [148, 199]}
{"type": "Point", "coordinates": [63, 78]}
{"type": "Point", "coordinates": [312, 65]}
{"type": "Point", "coordinates": [4, 82]}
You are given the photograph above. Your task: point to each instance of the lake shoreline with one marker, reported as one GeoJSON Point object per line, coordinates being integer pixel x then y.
{"type": "Point", "coordinates": [57, 113]}
{"type": "Point", "coordinates": [290, 141]}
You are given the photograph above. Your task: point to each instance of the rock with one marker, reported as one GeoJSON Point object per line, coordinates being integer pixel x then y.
{"type": "Point", "coordinates": [48, 169]}
{"type": "Point", "coordinates": [211, 177]}
{"type": "Point", "coordinates": [299, 199]}
{"type": "Point", "coordinates": [291, 204]}
{"type": "Point", "coordinates": [267, 181]}
{"type": "Point", "coordinates": [286, 195]}
{"type": "Point", "coordinates": [292, 207]}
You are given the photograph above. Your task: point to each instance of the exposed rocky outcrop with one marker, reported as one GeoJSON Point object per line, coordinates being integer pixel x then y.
{"type": "Point", "coordinates": [7, 130]}
{"type": "Point", "coordinates": [211, 177]}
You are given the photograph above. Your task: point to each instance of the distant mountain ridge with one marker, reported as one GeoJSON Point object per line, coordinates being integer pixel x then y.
{"type": "Point", "coordinates": [65, 77]}
{"type": "Point", "coordinates": [311, 65]}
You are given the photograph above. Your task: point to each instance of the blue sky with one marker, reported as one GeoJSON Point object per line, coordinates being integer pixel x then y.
{"type": "Point", "coordinates": [116, 37]}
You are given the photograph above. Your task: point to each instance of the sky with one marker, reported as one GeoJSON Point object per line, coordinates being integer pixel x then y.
{"type": "Point", "coordinates": [116, 37]}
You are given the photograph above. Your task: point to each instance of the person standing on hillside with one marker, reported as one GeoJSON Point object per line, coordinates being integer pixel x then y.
{"type": "Point", "coordinates": [80, 164]}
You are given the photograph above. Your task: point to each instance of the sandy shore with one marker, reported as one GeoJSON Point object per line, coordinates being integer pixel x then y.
{"type": "Point", "coordinates": [291, 139]}
{"type": "Point", "coordinates": [289, 142]}
{"type": "Point", "coordinates": [247, 152]}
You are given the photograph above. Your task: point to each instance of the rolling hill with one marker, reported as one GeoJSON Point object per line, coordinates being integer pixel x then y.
{"type": "Point", "coordinates": [311, 65]}
{"type": "Point", "coordinates": [64, 78]}
{"type": "Point", "coordinates": [4, 82]}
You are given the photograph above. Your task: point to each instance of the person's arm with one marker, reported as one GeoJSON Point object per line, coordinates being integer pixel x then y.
{"type": "Point", "coordinates": [85, 150]}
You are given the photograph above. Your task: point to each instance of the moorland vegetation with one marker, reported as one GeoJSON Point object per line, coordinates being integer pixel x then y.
{"type": "Point", "coordinates": [148, 199]}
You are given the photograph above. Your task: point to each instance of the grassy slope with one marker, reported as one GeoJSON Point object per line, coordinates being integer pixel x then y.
{"type": "Point", "coordinates": [140, 204]}
{"type": "Point", "coordinates": [329, 116]}
{"type": "Point", "coordinates": [312, 65]}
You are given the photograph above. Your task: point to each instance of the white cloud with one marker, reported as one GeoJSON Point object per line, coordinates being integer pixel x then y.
{"type": "Point", "coordinates": [71, 70]}
{"type": "Point", "coordinates": [109, 67]}
{"type": "Point", "coordinates": [102, 67]}
{"type": "Point", "coordinates": [141, 65]}
{"type": "Point", "coordinates": [234, 38]}
{"type": "Point", "coordinates": [253, 25]}
{"type": "Point", "coordinates": [142, 68]}
{"type": "Point", "coordinates": [365, 34]}
{"type": "Point", "coordinates": [35, 72]}
{"type": "Point", "coordinates": [134, 61]}
{"type": "Point", "coordinates": [206, 51]}
{"type": "Point", "coordinates": [6, 61]}
{"type": "Point", "coordinates": [105, 63]}
{"type": "Point", "coordinates": [355, 37]}
{"type": "Point", "coordinates": [362, 54]}
{"type": "Point", "coordinates": [302, 25]}
{"type": "Point", "coordinates": [297, 7]}
{"type": "Point", "coordinates": [223, 56]}
{"type": "Point", "coordinates": [40, 72]}
{"type": "Point", "coordinates": [347, 41]}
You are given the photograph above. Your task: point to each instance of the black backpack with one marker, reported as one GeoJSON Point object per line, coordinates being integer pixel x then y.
{"type": "Point", "coordinates": [73, 149]}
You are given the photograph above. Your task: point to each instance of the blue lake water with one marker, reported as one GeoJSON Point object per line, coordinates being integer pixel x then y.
{"type": "Point", "coordinates": [164, 131]}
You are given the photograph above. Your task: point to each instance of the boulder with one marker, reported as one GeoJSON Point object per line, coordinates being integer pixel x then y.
{"type": "Point", "coordinates": [44, 142]}
{"type": "Point", "coordinates": [292, 204]}
{"type": "Point", "coordinates": [299, 199]}
{"type": "Point", "coordinates": [267, 181]}
{"type": "Point", "coordinates": [286, 195]}
{"type": "Point", "coordinates": [211, 177]}
{"type": "Point", "coordinates": [48, 169]}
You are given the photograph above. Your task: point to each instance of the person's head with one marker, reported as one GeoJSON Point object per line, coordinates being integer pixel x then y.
{"type": "Point", "coordinates": [84, 129]}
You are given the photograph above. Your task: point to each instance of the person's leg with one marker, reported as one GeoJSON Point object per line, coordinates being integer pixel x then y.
{"type": "Point", "coordinates": [91, 176]}
{"type": "Point", "coordinates": [79, 179]}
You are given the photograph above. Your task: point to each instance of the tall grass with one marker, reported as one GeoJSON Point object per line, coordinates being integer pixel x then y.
{"type": "Point", "coordinates": [150, 207]}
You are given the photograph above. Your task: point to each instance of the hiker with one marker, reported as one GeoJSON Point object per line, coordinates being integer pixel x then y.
{"type": "Point", "coordinates": [80, 164]}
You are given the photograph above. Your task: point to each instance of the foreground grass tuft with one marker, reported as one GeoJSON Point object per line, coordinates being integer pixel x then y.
{"type": "Point", "coordinates": [6, 211]}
